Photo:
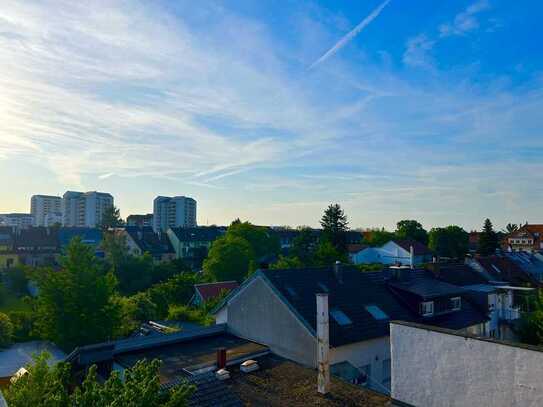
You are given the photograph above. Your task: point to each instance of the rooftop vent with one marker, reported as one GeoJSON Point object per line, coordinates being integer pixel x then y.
{"type": "Point", "coordinates": [249, 366]}
{"type": "Point", "coordinates": [222, 374]}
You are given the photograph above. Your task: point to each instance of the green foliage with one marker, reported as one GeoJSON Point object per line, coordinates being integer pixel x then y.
{"type": "Point", "coordinates": [262, 242]}
{"type": "Point", "coordinates": [135, 310]}
{"type": "Point", "coordinates": [43, 386]}
{"type": "Point", "coordinates": [378, 238]}
{"type": "Point", "coordinates": [134, 274]}
{"type": "Point", "coordinates": [411, 229]}
{"type": "Point", "coordinates": [6, 330]}
{"type": "Point", "coordinates": [111, 218]}
{"type": "Point", "coordinates": [304, 246]}
{"type": "Point", "coordinates": [17, 280]}
{"type": "Point", "coordinates": [115, 248]}
{"type": "Point", "coordinates": [451, 241]}
{"type": "Point", "coordinates": [46, 386]}
{"type": "Point", "coordinates": [289, 262]}
{"type": "Point", "coordinates": [177, 290]}
{"type": "Point", "coordinates": [369, 267]}
{"type": "Point", "coordinates": [76, 305]}
{"type": "Point", "coordinates": [23, 325]}
{"type": "Point", "coordinates": [531, 328]}
{"type": "Point", "coordinates": [230, 258]}
{"type": "Point", "coordinates": [488, 239]}
{"type": "Point", "coordinates": [186, 313]}
{"type": "Point", "coordinates": [335, 225]}
{"type": "Point", "coordinates": [327, 254]}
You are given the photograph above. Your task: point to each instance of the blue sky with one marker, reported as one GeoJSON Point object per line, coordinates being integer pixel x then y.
{"type": "Point", "coordinates": [269, 111]}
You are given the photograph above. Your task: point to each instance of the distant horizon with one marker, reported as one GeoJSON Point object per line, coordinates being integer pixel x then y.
{"type": "Point", "coordinates": [269, 112]}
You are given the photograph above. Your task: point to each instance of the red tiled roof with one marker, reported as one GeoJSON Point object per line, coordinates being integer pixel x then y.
{"type": "Point", "coordinates": [213, 290]}
{"type": "Point", "coordinates": [418, 247]}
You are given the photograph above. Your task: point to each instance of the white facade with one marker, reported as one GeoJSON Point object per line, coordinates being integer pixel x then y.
{"type": "Point", "coordinates": [389, 253]}
{"type": "Point", "coordinates": [170, 212]}
{"type": "Point", "coordinates": [45, 209]}
{"type": "Point", "coordinates": [17, 220]}
{"type": "Point", "coordinates": [435, 368]}
{"type": "Point", "coordinates": [84, 209]}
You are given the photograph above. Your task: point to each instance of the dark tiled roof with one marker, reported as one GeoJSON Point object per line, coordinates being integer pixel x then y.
{"type": "Point", "coordinates": [37, 237]}
{"type": "Point", "coordinates": [419, 248]}
{"type": "Point", "coordinates": [504, 269]}
{"type": "Point", "coordinates": [357, 291]}
{"type": "Point", "coordinates": [212, 290]}
{"type": "Point", "coordinates": [355, 248]}
{"type": "Point", "coordinates": [459, 274]}
{"type": "Point", "coordinates": [6, 235]}
{"type": "Point", "coordinates": [149, 241]}
{"type": "Point", "coordinates": [427, 288]}
{"type": "Point", "coordinates": [199, 234]}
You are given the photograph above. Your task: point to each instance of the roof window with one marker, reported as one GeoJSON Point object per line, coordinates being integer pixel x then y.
{"type": "Point", "coordinates": [340, 317]}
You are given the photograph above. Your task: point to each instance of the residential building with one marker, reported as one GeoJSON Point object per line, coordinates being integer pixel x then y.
{"type": "Point", "coordinates": [141, 240]}
{"type": "Point", "coordinates": [8, 255]}
{"type": "Point", "coordinates": [45, 209]}
{"type": "Point", "coordinates": [529, 238]}
{"type": "Point", "coordinates": [37, 246]}
{"type": "Point", "coordinates": [140, 220]}
{"type": "Point", "coordinates": [209, 291]}
{"type": "Point", "coordinates": [89, 236]}
{"type": "Point", "coordinates": [85, 209]}
{"type": "Point", "coordinates": [19, 355]}
{"type": "Point", "coordinates": [278, 308]}
{"type": "Point", "coordinates": [173, 212]}
{"type": "Point", "coordinates": [501, 269]}
{"type": "Point", "coordinates": [436, 367]}
{"type": "Point", "coordinates": [192, 244]}
{"type": "Point", "coordinates": [531, 263]}
{"type": "Point", "coordinates": [226, 370]}
{"type": "Point", "coordinates": [402, 252]}
{"type": "Point", "coordinates": [17, 220]}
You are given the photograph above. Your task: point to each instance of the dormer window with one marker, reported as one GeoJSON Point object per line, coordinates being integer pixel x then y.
{"type": "Point", "coordinates": [456, 303]}
{"type": "Point", "coordinates": [427, 308]}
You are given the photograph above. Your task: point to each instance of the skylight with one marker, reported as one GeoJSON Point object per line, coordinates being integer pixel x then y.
{"type": "Point", "coordinates": [340, 317]}
{"type": "Point", "coordinates": [376, 312]}
{"type": "Point", "coordinates": [291, 291]}
{"type": "Point", "coordinates": [323, 287]}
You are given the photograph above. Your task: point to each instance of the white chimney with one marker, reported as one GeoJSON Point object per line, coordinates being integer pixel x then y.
{"type": "Point", "coordinates": [412, 257]}
{"type": "Point", "coordinates": [323, 344]}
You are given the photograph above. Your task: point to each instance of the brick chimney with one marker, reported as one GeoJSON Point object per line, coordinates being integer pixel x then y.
{"type": "Point", "coordinates": [323, 344]}
{"type": "Point", "coordinates": [221, 358]}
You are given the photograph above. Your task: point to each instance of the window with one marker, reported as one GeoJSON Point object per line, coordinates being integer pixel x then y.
{"type": "Point", "coordinates": [291, 292]}
{"type": "Point", "coordinates": [456, 303]}
{"type": "Point", "coordinates": [340, 317]}
{"type": "Point", "coordinates": [376, 312]}
{"type": "Point", "coordinates": [427, 308]}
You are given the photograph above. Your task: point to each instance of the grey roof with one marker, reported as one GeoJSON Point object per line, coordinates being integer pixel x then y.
{"type": "Point", "coordinates": [20, 354]}
{"type": "Point", "coordinates": [149, 241]}
{"type": "Point", "coordinates": [211, 392]}
{"type": "Point", "coordinates": [199, 234]}
{"type": "Point", "coordinates": [428, 288]}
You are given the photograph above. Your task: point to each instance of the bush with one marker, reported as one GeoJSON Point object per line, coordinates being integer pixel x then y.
{"type": "Point", "coordinates": [23, 325]}
{"type": "Point", "coordinates": [190, 314]}
{"type": "Point", "coordinates": [6, 330]}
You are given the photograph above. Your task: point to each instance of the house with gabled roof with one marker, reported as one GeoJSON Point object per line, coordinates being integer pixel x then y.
{"type": "Point", "coordinates": [141, 240]}
{"type": "Point", "coordinates": [528, 238]}
{"type": "Point", "coordinates": [400, 252]}
{"type": "Point", "coordinates": [278, 308]}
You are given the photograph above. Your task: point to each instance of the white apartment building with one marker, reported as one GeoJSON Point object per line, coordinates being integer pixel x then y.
{"type": "Point", "coordinates": [178, 211]}
{"type": "Point", "coordinates": [84, 209]}
{"type": "Point", "coordinates": [44, 209]}
{"type": "Point", "coordinates": [17, 220]}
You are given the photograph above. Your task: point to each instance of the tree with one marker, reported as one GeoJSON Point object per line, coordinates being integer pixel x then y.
{"type": "Point", "coordinates": [136, 309]}
{"type": "Point", "coordinates": [411, 229]}
{"type": "Point", "coordinates": [327, 254]}
{"type": "Point", "coordinates": [75, 305]}
{"type": "Point", "coordinates": [47, 386]}
{"type": "Point", "coordinates": [115, 248]}
{"type": "Point", "coordinates": [134, 273]}
{"type": "Point", "coordinates": [262, 242]}
{"type": "Point", "coordinates": [335, 225]}
{"type": "Point", "coordinates": [111, 218]}
{"type": "Point", "coordinates": [377, 238]}
{"type": "Point", "coordinates": [303, 246]}
{"type": "Point", "coordinates": [23, 325]}
{"type": "Point", "coordinates": [531, 327]}
{"type": "Point", "coordinates": [289, 262]}
{"type": "Point", "coordinates": [230, 258]}
{"type": "Point", "coordinates": [6, 330]}
{"type": "Point", "coordinates": [488, 240]}
{"type": "Point", "coordinates": [176, 290]}
{"type": "Point", "coordinates": [452, 241]}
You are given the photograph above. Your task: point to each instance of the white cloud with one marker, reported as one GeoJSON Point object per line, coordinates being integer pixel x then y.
{"type": "Point", "coordinates": [417, 52]}
{"type": "Point", "coordinates": [465, 21]}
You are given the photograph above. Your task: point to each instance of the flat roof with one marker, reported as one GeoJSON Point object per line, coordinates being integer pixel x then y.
{"type": "Point", "coordinates": [20, 354]}
{"type": "Point", "coordinates": [180, 358]}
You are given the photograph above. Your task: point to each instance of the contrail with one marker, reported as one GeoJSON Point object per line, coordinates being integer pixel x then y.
{"type": "Point", "coordinates": [353, 33]}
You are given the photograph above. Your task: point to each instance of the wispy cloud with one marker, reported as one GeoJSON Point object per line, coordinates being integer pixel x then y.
{"type": "Point", "coordinates": [351, 34]}
{"type": "Point", "coordinates": [417, 52]}
{"type": "Point", "coordinates": [465, 21]}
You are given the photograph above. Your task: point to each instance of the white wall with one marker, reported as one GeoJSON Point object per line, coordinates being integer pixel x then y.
{"type": "Point", "coordinates": [431, 368]}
